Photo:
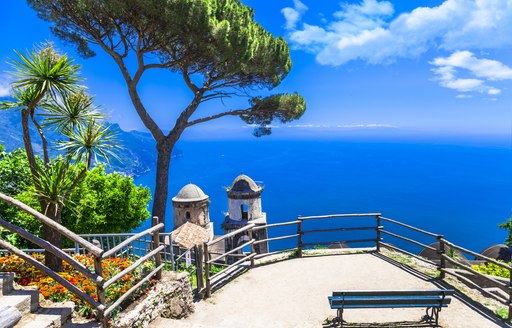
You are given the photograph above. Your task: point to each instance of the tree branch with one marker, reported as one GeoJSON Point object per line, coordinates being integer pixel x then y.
{"type": "Point", "coordinates": [216, 116]}
{"type": "Point", "coordinates": [188, 81]}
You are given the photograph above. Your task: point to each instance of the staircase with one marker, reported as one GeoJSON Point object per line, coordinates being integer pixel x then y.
{"type": "Point", "coordinates": [21, 308]}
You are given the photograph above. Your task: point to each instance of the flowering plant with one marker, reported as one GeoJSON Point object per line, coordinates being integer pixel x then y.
{"type": "Point", "coordinates": [28, 275]}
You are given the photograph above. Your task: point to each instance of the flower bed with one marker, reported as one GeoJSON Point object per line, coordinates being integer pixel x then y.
{"type": "Point", "coordinates": [28, 275]}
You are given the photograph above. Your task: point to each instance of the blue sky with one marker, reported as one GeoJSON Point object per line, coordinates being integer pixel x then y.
{"type": "Point", "coordinates": [365, 66]}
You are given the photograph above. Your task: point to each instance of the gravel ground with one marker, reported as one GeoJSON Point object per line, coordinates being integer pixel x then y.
{"type": "Point", "coordinates": [293, 293]}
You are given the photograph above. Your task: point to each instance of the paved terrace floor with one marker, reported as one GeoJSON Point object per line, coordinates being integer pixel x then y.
{"type": "Point", "coordinates": [293, 293]}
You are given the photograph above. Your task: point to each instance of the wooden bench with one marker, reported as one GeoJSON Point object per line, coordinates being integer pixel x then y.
{"type": "Point", "coordinates": [432, 300]}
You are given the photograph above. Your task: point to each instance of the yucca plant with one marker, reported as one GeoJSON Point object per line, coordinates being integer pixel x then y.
{"type": "Point", "coordinates": [71, 111]}
{"type": "Point", "coordinates": [46, 87]}
{"type": "Point", "coordinates": [89, 141]}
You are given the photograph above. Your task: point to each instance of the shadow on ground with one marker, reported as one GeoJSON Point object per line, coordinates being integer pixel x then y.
{"type": "Point", "coordinates": [334, 322]}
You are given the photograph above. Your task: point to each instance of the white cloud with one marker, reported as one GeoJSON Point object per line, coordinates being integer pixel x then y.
{"type": "Point", "coordinates": [481, 70]}
{"type": "Point", "coordinates": [368, 31]}
{"type": "Point", "coordinates": [293, 15]}
{"type": "Point", "coordinates": [5, 85]}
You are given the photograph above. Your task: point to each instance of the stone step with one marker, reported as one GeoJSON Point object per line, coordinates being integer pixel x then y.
{"type": "Point", "coordinates": [55, 316]}
{"type": "Point", "coordinates": [9, 316]}
{"type": "Point", "coordinates": [25, 301]}
{"type": "Point", "coordinates": [6, 282]}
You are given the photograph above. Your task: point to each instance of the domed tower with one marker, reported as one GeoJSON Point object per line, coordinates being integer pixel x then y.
{"type": "Point", "coordinates": [244, 203]}
{"type": "Point", "coordinates": [191, 205]}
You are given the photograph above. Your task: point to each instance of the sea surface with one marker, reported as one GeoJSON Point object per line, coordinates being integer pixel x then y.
{"type": "Point", "coordinates": [461, 189]}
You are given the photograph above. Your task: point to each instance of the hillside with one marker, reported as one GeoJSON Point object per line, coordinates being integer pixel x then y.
{"type": "Point", "coordinates": [138, 155]}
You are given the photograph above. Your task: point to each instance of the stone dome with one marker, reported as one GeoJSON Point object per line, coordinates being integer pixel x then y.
{"type": "Point", "coordinates": [499, 252]}
{"type": "Point", "coordinates": [190, 193]}
{"type": "Point", "coordinates": [243, 185]}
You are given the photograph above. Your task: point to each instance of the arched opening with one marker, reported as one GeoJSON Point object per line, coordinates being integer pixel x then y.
{"type": "Point", "coordinates": [187, 216]}
{"type": "Point", "coordinates": [244, 209]}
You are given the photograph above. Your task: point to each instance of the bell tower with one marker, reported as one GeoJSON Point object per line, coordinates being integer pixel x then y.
{"type": "Point", "coordinates": [244, 203]}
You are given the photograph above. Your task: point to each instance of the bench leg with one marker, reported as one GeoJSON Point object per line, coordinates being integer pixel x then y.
{"type": "Point", "coordinates": [340, 316]}
{"type": "Point", "coordinates": [434, 314]}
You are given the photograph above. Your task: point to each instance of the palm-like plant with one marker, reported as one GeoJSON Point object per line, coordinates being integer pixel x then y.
{"type": "Point", "coordinates": [46, 71]}
{"type": "Point", "coordinates": [49, 81]}
{"type": "Point", "coordinates": [89, 141]}
{"type": "Point", "coordinates": [55, 182]}
{"type": "Point", "coordinates": [72, 110]}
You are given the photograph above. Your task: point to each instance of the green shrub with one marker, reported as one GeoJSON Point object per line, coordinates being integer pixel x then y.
{"type": "Point", "coordinates": [492, 269]}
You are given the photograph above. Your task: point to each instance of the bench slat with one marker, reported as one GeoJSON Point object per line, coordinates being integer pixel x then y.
{"type": "Point", "coordinates": [375, 306]}
{"type": "Point", "coordinates": [396, 301]}
{"type": "Point", "coordinates": [393, 292]}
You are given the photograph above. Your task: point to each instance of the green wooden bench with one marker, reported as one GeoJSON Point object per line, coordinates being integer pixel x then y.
{"type": "Point", "coordinates": [432, 300]}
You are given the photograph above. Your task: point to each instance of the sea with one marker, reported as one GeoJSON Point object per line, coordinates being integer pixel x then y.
{"type": "Point", "coordinates": [458, 187]}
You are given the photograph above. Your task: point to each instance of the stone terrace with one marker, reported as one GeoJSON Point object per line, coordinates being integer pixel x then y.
{"type": "Point", "coordinates": [293, 293]}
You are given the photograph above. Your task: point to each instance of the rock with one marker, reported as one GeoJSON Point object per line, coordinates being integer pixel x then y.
{"type": "Point", "coordinates": [170, 298]}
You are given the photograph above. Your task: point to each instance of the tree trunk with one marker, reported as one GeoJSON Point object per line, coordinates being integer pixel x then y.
{"type": "Point", "coordinates": [164, 150]}
{"type": "Point", "coordinates": [52, 236]}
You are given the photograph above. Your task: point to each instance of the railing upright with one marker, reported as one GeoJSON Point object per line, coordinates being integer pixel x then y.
{"type": "Point", "coordinates": [299, 236]}
{"type": "Point", "coordinates": [509, 317]}
{"type": "Point", "coordinates": [156, 244]}
{"type": "Point", "coordinates": [199, 267]}
{"type": "Point", "coordinates": [377, 230]}
{"type": "Point", "coordinates": [441, 252]}
{"type": "Point", "coordinates": [249, 234]}
{"type": "Point", "coordinates": [100, 291]}
{"type": "Point", "coordinates": [207, 271]}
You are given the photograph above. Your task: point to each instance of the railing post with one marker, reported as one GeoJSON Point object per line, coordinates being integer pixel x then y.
{"type": "Point", "coordinates": [156, 244]}
{"type": "Point", "coordinates": [199, 267]}
{"type": "Point", "coordinates": [299, 237]}
{"type": "Point", "coordinates": [207, 271]}
{"type": "Point", "coordinates": [100, 291]}
{"type": "Point", "coordinates": [249, 233]}
{"type": "Point", "coordinates": [378, 238]}
{"type": "Point", "coordinates": [441, 252]}
{"type": "Point", "coordinates": [509, 318]}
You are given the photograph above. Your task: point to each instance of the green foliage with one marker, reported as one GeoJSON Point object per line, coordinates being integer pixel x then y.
{"type": "Point", "coordinates": [502, 312]}
{"type": "Point", "coordinates": [100, 203]}
{"type": "Point", "coordinates": [280, 107]}
{"type": "Point", "coordinates": [106, 203]}
{"type": "Point", "coordinates": [216, 40]}
{"type": "Point", "coordinates": [492, 269]}
{"type": "Point", "coordinates": [508, 226]}
{"type": "Point", "coordinates": [215, 45]}
{"type": "Point", "coordinates": [44, 70]}
{"type": "Point", "coordinates": [16, 181]}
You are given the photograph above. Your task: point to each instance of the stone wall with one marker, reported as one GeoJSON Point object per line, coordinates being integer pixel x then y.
{"type": "Point", "coordinates": [172, 298]}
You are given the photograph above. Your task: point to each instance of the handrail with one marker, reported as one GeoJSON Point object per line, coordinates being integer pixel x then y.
{"type": "Point", "coordinates": [334, 216]}
{"type": "Point", "coordinates": [272, 225]}
{"type": "Point", "coordinates": [409, 240]}
{"type": "Point", "coordinates": [75, 290]}
{"type": "Point", "coordinates": [250, 242]}
{"type": "Point", "coordinates": [409, 226]}
{"type": "Point", "coordinates": [473, 271]}
{"type": "Point", "coordinates": [231, 234]}
{"type": "Point", "coordinates": [462, 249]}
{"type": "Point", "coordinates": [131, 239]}
{"type": "Point", "coordinates": [52, 224]}
{"type": "Point", "coordinates": [338, 229]}
{"type": "Point", "coordinates": [132, 267]}
{"type": "Point", "coordinates": [133, 289]}
{"type": "Point", "coordinates": [97, 254]}
{"type": "Point", "coordinates": [52, 249]}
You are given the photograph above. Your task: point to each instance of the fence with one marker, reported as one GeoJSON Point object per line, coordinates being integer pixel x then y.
{"type": "Point", "coordinates": [375, 236]}
{"type": "Point", "coordinates": [96, 276]}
